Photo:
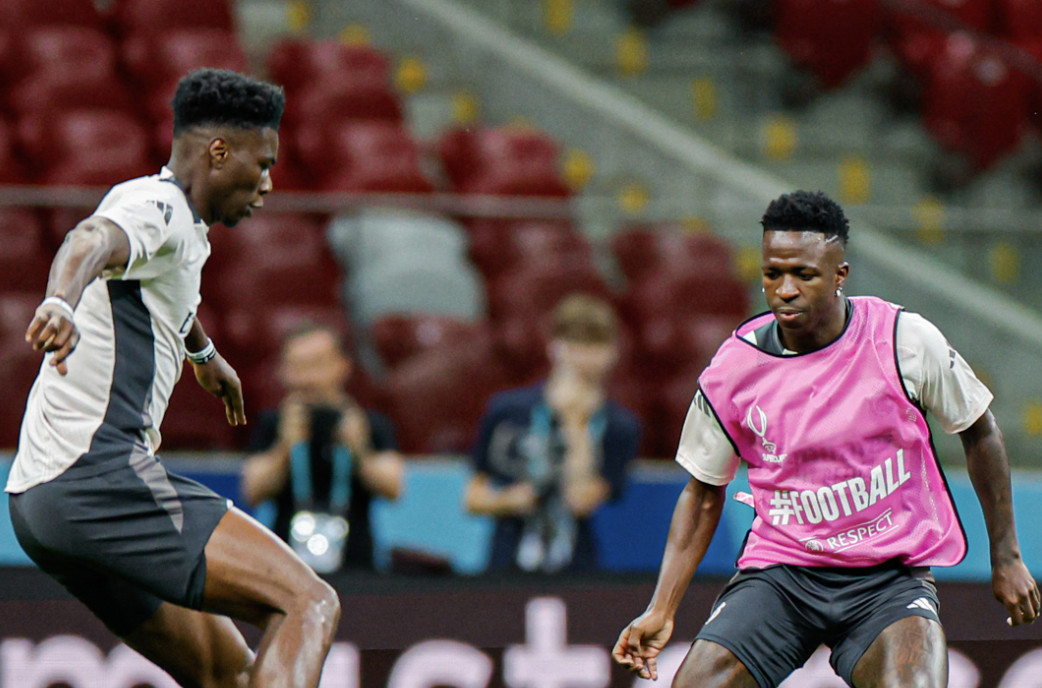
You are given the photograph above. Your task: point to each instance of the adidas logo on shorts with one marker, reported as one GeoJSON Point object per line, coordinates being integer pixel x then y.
{"type": "Point", "coordinates": [923, 603]}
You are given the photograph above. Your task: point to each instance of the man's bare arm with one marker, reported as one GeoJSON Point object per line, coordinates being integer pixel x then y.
{"type": "Point", "coordinates": [94, 245]}
{"type": "Point", "coordinates": [695, 519]}
{"type": "Point", "coordinates": [988, 467]}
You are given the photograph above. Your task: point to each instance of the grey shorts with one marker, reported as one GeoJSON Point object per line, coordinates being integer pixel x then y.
{"type": "Point", "coordinates": [121, 536]}
{"type": "Point", "coordinates": [774, 619]}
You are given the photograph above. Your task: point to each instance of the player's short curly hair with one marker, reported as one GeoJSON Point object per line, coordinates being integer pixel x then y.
{"type": "Point", "coordinates": [221, 96]}
{"type": "Point", "coordinates": [806, 211]}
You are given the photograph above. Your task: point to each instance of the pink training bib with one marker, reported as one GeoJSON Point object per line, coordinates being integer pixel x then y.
{"type": "Point", "coordinates": [840, 461]}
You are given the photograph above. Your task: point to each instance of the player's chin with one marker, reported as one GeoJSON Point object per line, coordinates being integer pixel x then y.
{"type": "Point", "coordinates": [236, 219]}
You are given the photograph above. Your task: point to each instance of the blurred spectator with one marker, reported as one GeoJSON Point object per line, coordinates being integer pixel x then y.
{"type": "Point", "coordinates": [322, 457]}
{"type": "Point", "coordinates": [548, 456]}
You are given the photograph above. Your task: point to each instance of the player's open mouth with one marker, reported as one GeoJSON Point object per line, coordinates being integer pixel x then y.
{"type": "Point", "coordinates": [787, 314]}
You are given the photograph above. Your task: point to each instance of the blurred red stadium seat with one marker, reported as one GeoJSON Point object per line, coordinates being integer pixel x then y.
{"type": "Point", "coordinates": [275, 261]}
{"type": "Point", "coordinates": [674, 399]}
{"type": "Point", "coordinates": [160, 61]}
{"type": "Point", "coordinates": [7, 61]}
{"type": "Point", "coordinates": [668, 342]}
{"type": "Point", "coordinates": [339, 97]}
{"type": "Point", "coordinates": [833, 39]}
{"type": "Point", "coordinates": [1021, 18]}
{"type": "Point", "coordinates": [521, 343]}
{"type": "Point", "coordinates": [19, 364]}
{"type": "Point", "coordinates": [63, 68]}
{"type": "Point", "coordinates": [256, 335]}
{"type": "Point", "coordinates": [536, 289]}
{"type": "Point", "coordinates": [269, 235]}
{"type": "Point", "coordinates": [11, 171]}
{"type": "Point", "coordinates": [374, 157]}
{"type": "Point", "coordinates": [397, 338]}
{"type": "Point", "coordinates": [437, 397]}
{"type": "Point", "coordinates": [24, 13]}
{"type": "Point", "coordinates": [641, 250]}
{"type": "Point", "coordinates": [78, 53]}
{"type": "Point", "coordinates": [157, 16]}
{"type": "Point", "coordinates": [685, 294]}
{"type": "Point", "coordinates": [25, 259]}
{"type": "Point", "coordinates": [981, 15]}
{"type": "Point", "coordinates": [88, 147]}
{"type": "Point", "coordinates": [974, 102]}
{"type": "Point", "coordinates": [195, 419]}
{"type": "Point", "coordinates": [459, 155]}
{"type": "Point", "coordinates": [916, 39]}
{"type": "Point", "coordinates": [503, 161]}
{"type": "Point", "coordinates": [498, 245]}
{"type": "Point", "coordinates": [295, 63]}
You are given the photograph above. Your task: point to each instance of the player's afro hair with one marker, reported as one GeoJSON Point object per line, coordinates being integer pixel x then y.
{"type": "Point", "coordinates": [221, 96]}
{"type": "Point", "coordinates": [806, 211]}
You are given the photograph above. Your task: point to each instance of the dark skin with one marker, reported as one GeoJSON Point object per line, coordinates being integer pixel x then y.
{"type": "Point", "coordinates": [803, 275]}
{"type": "Point", "coordinates": [251, 575]}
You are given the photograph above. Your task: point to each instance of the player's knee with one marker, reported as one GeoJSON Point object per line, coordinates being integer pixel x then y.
{"type": "Point", "coordinates": [321, 607]}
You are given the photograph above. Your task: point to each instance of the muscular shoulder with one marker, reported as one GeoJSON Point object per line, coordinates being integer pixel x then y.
{"type": "Point", "coordinates": [144, 190]}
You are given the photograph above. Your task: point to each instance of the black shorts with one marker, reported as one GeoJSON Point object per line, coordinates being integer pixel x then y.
{"type": "Point", "coordinates": [122, 536]}
{"type": "Point", "coordinates": [774, 619]}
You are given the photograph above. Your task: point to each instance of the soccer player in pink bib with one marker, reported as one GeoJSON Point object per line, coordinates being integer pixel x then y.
{"type": "Point", "coordinates": [825, 398]}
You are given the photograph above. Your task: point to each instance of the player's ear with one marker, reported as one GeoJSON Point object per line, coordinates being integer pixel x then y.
{"type": "Point", "coordinates": [841, 274]}
{"type": "Point", "coordinates": [219, 153]}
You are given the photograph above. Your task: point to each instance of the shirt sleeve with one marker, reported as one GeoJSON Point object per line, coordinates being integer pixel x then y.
{"type": "Point", "coordinates": [937, 377]}
{"type": "Point", "coordinates": [144, 215]}
{"type": "Point", "coordinates": [705, 450]}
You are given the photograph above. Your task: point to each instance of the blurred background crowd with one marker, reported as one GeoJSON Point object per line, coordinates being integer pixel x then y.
{"type": "Point", "coordinates": [509, 234]}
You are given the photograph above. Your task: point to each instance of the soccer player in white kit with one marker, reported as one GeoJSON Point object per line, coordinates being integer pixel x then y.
{"type": "Point", "coordinates": [160, 559]}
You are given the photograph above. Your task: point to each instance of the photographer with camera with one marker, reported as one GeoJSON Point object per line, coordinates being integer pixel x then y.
{"type": "Point", "coordinates": [548, 456]}
{"type": "Point", "coordinates": [321, 457]}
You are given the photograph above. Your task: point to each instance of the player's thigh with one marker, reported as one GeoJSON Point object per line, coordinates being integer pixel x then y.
{"type": "Point", "coordinates": [910, 653]}
{"type": "Point", "coordinates": [760, 619]}
{"type": "Point", "coordinates": [197, 649]}
{"type": "Point", "coordinates": [252, 574]}
{"type": "Point", "coordinates": [710, 665]}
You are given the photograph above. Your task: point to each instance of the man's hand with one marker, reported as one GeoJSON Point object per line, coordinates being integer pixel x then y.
{"type": "Point", "coordinates": [219, 379]}
{"type": "Point", "coordinates": [52, 330]}
{"type": "Point", "coordinates": [1013, 586]}
{"type": "Point", "coordinates": [518, 499]}
{"type": "Point", "coordinates": [354, 432]}
{"type": "Point", "coordinates": [294, 421]}
{"type": "Point", "coordinates": [641, 642]}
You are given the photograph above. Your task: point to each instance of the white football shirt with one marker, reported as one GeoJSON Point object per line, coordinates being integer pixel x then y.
{"type": "Point", "coordinates": [934, 374]}
{"type": "Point", "coordinates": [132, 323]}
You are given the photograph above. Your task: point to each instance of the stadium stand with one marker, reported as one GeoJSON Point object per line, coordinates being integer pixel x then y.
{"type": "Point", "coordinates": [446, 309]}
{"type": "Point", "coordinates": [25, 261]}
{"type": "Point", "coordinates": [19, 362]}
{"type": "Point", "coordinates": [11, 169]}
{"type": "Point", "coordinates": [151, 17]}
{"type": "Point", "coordinates": [26, 13]}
